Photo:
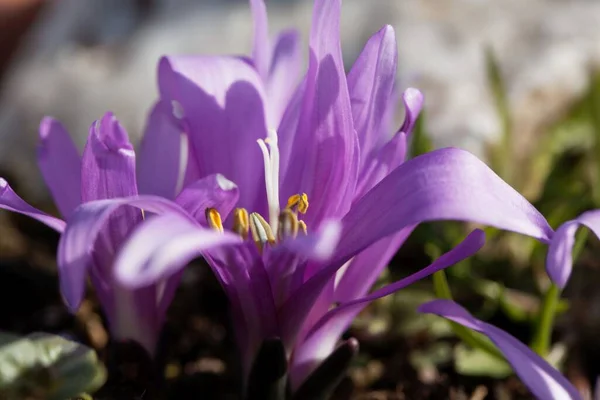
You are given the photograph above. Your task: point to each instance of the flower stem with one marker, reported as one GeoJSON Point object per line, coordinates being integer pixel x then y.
{"type": "Point", "coordinates": [473, 339]}
{"type": "Point", "coordinates": [545, 320]}
{"type": "Point", "coordinates": [541, 339]}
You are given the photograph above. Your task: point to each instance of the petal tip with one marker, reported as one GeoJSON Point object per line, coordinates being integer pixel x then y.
{"type": "Point", "coordinates": [110, 133]}
{"type": "Point", "coordinates": [224, 183]}
{"type": "Point", "coordinates": [388, 30]}
{"type": "Point", "coordinates": [413, 99]}
{"type": "Point", "coordinates": [48, 127]}
{"type": "Point", "coordinates": [72, 302]}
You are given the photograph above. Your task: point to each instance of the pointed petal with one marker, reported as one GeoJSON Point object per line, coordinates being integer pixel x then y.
{"type": "Point", "coordinates": [261, 46]}
{"type": "Point", "coordinates": [214, 191]}
{"type": "Point", "coordinates": [326, 154]}
{"type": "Point", "coordinates": [387, 125]}
{"type": "Point", "coordinates": [60, 164]}
{"type": "Point", "coordinates": [162, 246]}
{"type": "Point", "coordinates": [413, 103]}
{"type": "Point", "coordinates": [283, 75]}
{"type": "Point", "coordinates": [222, 99]}
{"type": "Point", "coordinates": [380, 163]}
{"type": "Point", "coordinates": [287, 130]}
{"type": "Point", "coordinates": [108, 162]}
{"type": "Point", "coordinates": [324, 335]}
{"type": "Point", "coordinates": [543, 380]}
{"type": "Point", "coordinates": [389, 155]}
{"type": "Point", "coordinates": [446, 184]}
{"type": "Point", "coordinates": [161, 162]}
{"type": "Point", "coordinates": [109, 172]}
{"type": "Point", "coordinates": [77, 243]}
{"type": "Point", "coordinates": [10, 201]}
{"type": "Point", "coordinates": [370, 82]}
{"type": "Point", "coordinates": [559, 261]}
{"type": "Point", "coordinates": [363, 270]}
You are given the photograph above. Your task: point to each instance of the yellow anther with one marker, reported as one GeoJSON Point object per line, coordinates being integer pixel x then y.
{"type": "Point", "coordinates": [241, 224]}
{"type": "Point", "coordinates": [302, 227]}
{"type": "Point", "coordinates": [261, 231]}
{"type": "Point", "coordinates": [213, 218]}
{"type": "Point", "coordinates": [298, 202]}
{"type": "Point", "coordinates": [288, 224]}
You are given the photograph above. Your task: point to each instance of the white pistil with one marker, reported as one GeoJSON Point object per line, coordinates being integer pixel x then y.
{"type": "Point", "coordinates": [271, 163]}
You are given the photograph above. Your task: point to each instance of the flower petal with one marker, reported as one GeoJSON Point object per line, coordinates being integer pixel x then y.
{"type": "Point", "coordinates": [108, 162]}
{"type": "Point", "coordinates": [77, 243]}
{"type": "Point", "coordinates": [320, 246]}
{"type": "Point", "coordinates": [559, 261]}
{"type": "Point", "coordinates": [283, 75]}
{"type": "Point", "coordinates": [161, 162]}
{"type": "Point", "coordinates": [60, 164]}
{"type": "Point", "coordinates": [446, 184]}
{"type": "Point", "coordinates": [387, 124]}
{"type": "Point", "coordinates": [222, 101]}
{"type": "Point", "coordinates": [387, 156]}
{"type": "Point", "coordinates": [214, 191]}
{"type": "Point", "coordinates": [108, 171]}
{"type": "Point", "coordinates": [323, 336]}
{"type": "Point", "coordinates": [413, 103]}
{"type": "Point", "coordinates": [10, 201]}
{"type": "Point", "coordinates": [543, 380]}
{"type": "Point", "coordinates": [162, 246]}
{"type": "Point", "coordinates": [363, 270]}
{"type": "Point", "coordinates": [325, 150]}
{"type": "Point", "coordinates": [370, 83]}
{"type": "Point", "coordinates": [288, 128]}
{"type": "Point", "coordinates": [250, 292]}
{"type": "Point", "coordinates": [261, 46]}
{"type": "Point", "coordinates": [380, 163]}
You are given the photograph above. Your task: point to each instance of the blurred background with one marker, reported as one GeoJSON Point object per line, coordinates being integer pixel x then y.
{"type": "Point", "coordinates": [98, 55]}
{"type": "Point", "coordinates": [513, 81]}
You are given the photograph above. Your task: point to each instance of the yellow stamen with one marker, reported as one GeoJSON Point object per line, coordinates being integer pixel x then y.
{"type": "Point", "coordinates": [302, 227]}
{"type": "Point", "coordinates": [288, 224]}
{"type": "Point", "coordinates": [241, 224]}
{"type": "Point", "coordinates": [298, 202]}
{"type": "Point", "coordinates": [261, 231]}
{"type": "Point", "coordinates": [213, 218]}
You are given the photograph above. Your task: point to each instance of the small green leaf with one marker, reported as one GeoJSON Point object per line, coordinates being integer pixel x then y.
{"type": "Point", "coordinates": [48, 367]}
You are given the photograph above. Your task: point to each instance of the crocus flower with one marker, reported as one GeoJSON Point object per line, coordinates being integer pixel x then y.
{"type": "Point", "coordinates": [541, 378]}
{"type": "Point", "coordinates": [330, 148]}
{"type": "Point", "coordinates": [102, 183]}
{"type": "Point", "coordinates": [559, 261]}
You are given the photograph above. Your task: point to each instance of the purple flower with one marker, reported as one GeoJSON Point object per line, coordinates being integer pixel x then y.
{"type": "Point", "coordinates": [97, 193]}
{"type": "Point", "coordinates": [333, 148]}
{"type": "Point", "coordinates": [559, 261]}
{"type": "Point", "coordinates": [543, 380]}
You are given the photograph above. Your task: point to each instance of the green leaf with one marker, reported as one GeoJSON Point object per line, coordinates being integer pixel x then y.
{"type": "Point", "coordinates": [47, 367]}
{"type": "Point", "coordinates": [501, 155]}
{"type": "Point", "coordinates": [476, 362]}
